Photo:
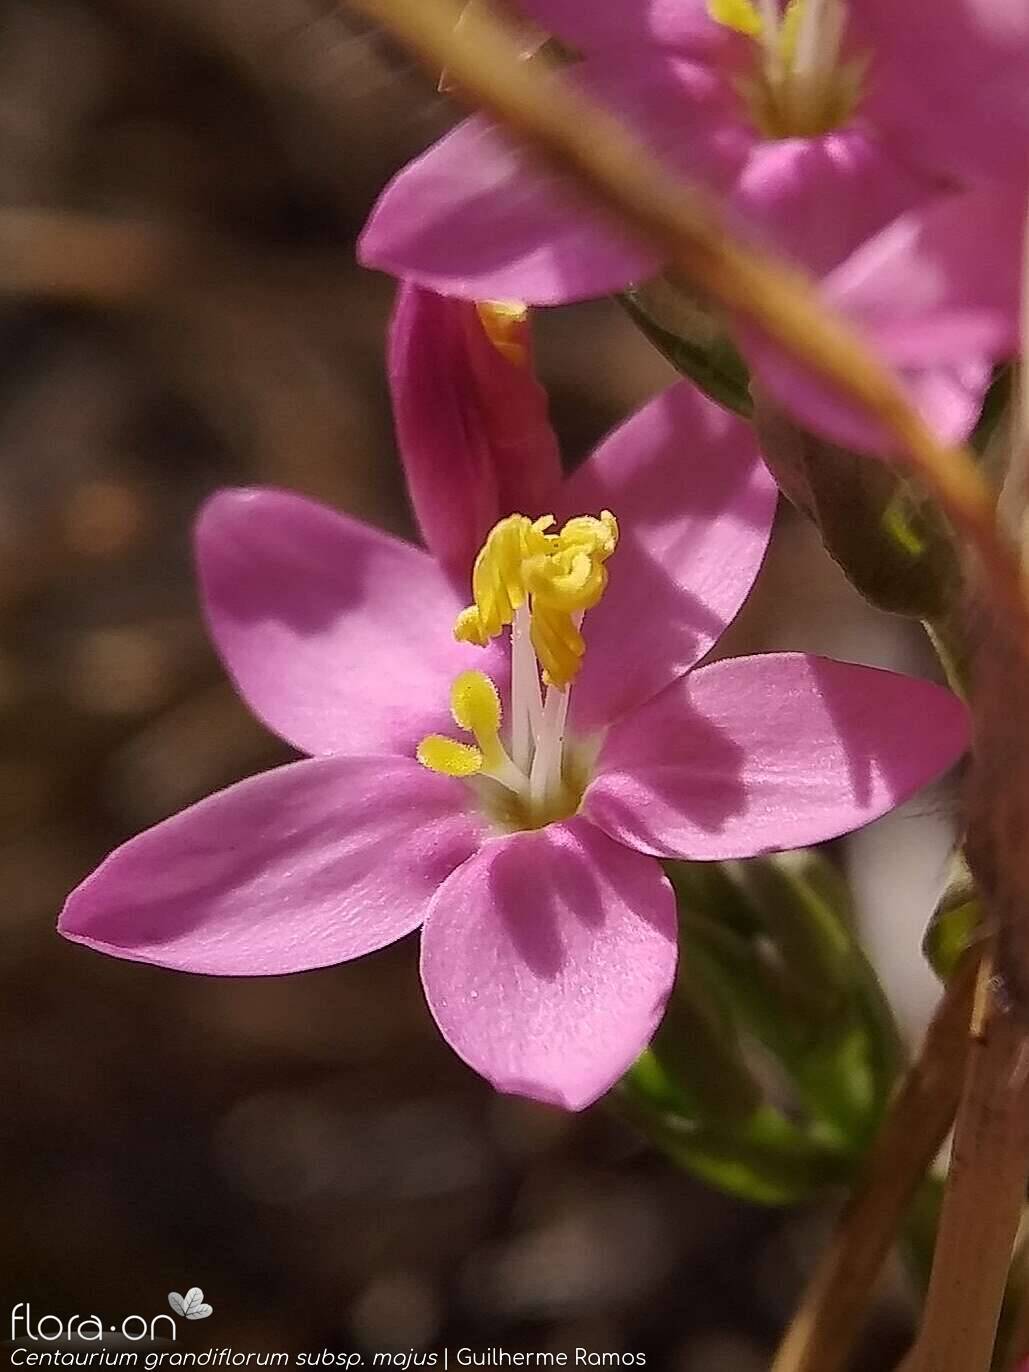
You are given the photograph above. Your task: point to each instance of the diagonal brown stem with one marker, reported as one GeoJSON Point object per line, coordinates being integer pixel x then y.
{"type": "Point", "coordinates": [983, 1201]}
{"type": "Point", "coordinates": [822, 1332]}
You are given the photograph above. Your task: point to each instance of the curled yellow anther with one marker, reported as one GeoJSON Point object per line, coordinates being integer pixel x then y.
{"type": "Point", "coordinates": [469, 628]}
{"type": "Point", "coordinates": [558, 644]}
{"type": "Point", "coordinates": [560, 574]}
{"type": "Point", "coordinates": [598, 537]}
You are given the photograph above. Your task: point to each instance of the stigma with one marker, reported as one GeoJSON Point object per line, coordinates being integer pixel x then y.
{"type": "Point", "coordinates": [539, 582]}
{"type": "Point", "coordinates": [801, 84]}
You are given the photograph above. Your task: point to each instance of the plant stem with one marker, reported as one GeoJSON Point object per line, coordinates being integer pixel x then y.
{"type": "Point", "coordinates": [828, 1319]}
{"type": "Point", "coordinates": [983, 1201]}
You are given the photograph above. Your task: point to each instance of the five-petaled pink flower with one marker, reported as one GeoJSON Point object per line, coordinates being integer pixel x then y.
{"type": "Point", "coordinates": [528, 858]}
{"type": "Point", "coordinates": [942, 284]}
{"type": "Point", "coordinates": [776, 105]}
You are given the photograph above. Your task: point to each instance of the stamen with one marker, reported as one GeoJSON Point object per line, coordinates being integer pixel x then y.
{"type": "Point", "coordinates": [505, 323]}
{"type": "Point", "coordinates": [803, 86]}
{"type": "Point", "coordinates": [770, 41]}
{"type": "Point", "coordinates": [540, 583]}
{"type": "Point", "coordinates": [475, 705]}
{"type": "Point", "coordinates": [545, 782]}
{"type": "Point", "coordinates": [526, 700]}
{"type": "Point", "coordinates": [446, 755]}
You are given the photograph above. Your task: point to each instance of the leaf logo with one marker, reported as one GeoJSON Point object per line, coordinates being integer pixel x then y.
{"type": "Point", "coordinates": [192, 1305]}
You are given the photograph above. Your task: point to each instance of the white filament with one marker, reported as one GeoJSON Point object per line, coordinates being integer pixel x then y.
{"type": "Point", "coordinates": [526, 701]}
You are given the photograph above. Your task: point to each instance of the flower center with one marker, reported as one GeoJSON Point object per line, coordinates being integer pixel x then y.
{"type": "Point", "coordinates": [801, 85]}
{"type": "Point", "coordinates": [540, 583]}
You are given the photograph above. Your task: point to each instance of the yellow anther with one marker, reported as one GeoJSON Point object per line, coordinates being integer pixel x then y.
{"type": "Point", "coordinates": [742, 16]}
{"type": "Point", "coordinates": [468, 628]}
{"type": "Point", "coordinates": [497, 574]}
{"type": "Point", "coordinates": [475, 705]}
{"type": "Point", "coordinates": [446, 755]}
{"type": "Point", "coordinates": [506, 325]}
{"type": "Point", "coordinates": [558, 644]}
{"type": "Point", "coordinates": [739, 15]}
{"type": "Point", "coordinates": [598, 537]}
{"type": "Point", "coordinates": [561, 574]}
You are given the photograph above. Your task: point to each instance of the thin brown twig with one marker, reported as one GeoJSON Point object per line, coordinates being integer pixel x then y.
{"type": "Point", "coordinates": [579, 137]}
{"type": "Point", "coordinates": [822, 1332]}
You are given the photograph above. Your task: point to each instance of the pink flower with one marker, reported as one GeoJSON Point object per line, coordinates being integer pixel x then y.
{"type": "Point", "coordinates": [470, 416]}
{"type": "Point", "coordinates": [549, 930]}
{"type": "Point", "coordinates": [940, 287]}
{"type": "Point", "coordinates": [781, 118]}
{"type": "Point", "coordinates": [791, 125]}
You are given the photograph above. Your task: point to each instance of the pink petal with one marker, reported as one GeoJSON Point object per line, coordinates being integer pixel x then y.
{"type": "Point", "coordinates": [471, 424]}
{"type": "Point", "coordinates": [681, 24]}
{"type": "Point", "coordinates": [929, 300]}
{"type": "Point", "coordinates": [547, 961]}
{"type": "Point", "coordinates": [304, 866]}
{"type": "Point", "coordinates": [941, 283]}
{"type": "Point", "coordinates": [338, 637]}
{"type": "Point", "coordinates": [695, 505]}
{"type": "Point", "coordinates": [476, 216]}
{"type": "Point", "coordinates": [755, 754]}
{"type": "Point", "coordinates": [949, 81]}
{"type": "Point", "coordinates": [816, 199]}
{"type": "Point", "coordinates": [949, 397]}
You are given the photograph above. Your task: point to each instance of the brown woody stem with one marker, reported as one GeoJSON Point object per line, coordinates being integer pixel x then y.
{"type": "Point", "coordinates": [823, 1330]}
{"type": "Point", "coordinates": [983, 1201]}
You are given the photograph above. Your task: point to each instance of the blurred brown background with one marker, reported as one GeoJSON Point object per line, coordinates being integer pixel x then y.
{"type": "Point", "coordinates": [180, 185]}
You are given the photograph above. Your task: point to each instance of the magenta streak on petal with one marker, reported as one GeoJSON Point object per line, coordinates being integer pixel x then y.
{"type": "Point", "coordinates": [547, 960]}
{"type": "Point", "coordinates": [311, 864]}
{"type": "Point", "coordinates": [756, 754]}
{"type": "Point", "coordinates": [695, 505]}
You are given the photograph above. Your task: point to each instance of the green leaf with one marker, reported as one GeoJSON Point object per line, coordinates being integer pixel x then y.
{"type": "Point", "coordinates": [956, 923]}
{"type": "Point", "coordinates": [890, 539]}
{"type": "Point", "coordinates": [765, 1159]}
{"type": "Point", "coordinates": [698, 1051]}
{"type": "Point", "coordinates": [693, 340]}
{"type": "Point", "coordinates": [798, 983]}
